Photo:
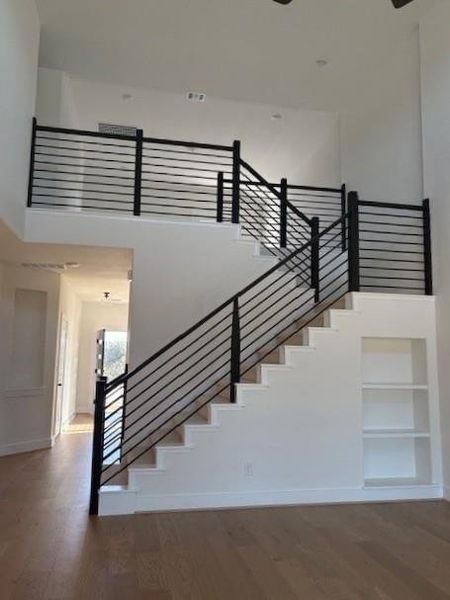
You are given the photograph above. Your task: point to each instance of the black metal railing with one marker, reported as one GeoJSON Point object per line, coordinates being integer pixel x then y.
{"type": "Point", "coordinates": [391, 246]}
{"type": "Point", "coordinates": [86, 170]}
{"type": "Point", "coordinates": [91, 171]}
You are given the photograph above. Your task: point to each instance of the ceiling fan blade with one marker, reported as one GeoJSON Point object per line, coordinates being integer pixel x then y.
{"type": "Point", "coordinates": [400, 3]}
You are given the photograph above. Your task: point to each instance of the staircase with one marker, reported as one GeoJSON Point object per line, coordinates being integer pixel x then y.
{"type": "Point", "coordinates": [327, 244]}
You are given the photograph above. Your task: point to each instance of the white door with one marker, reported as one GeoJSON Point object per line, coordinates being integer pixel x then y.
{"type": "Point", "coordinates": [60, 377]}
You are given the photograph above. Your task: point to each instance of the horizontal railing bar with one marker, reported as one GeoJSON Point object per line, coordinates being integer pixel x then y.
{"type": "Point", "coordinates": [81, 206]}
{"type": "Point", "coordinates": [146, 140]}
{"type": "Point", "coordinates": [398, 260]}
{"type": "Point", "coordinates": [393, 287]}
{"type": "Point", "coordinates": [85, 132]}
{"type": "Point", "coordinates": [380, 277]}
{"type": "Point", "coordinates": [91, 158]}
{"type": "Point", "coordinates": [81, 189]}
{"type": "Point", "coordinates": [392, 224]}
{"type": "Point", "coordinates": [390, 215]}
{"type": "Point", "coordinates": [398, 233]}
{"type": "Point", "coordinates": [390, 242]}
{"type": "Point", "coordinates": [227, 158]}
{"type": "Point", "coordinates": [59, 172]}
{"type": "Point", "coordinates": [88, 142]}
{"type": "Point", "coordinates": [185, 175]}
{"type": "Point", "coordinates": [165, 142]}
{"type": "Point", "coordinates": [83, 150]}
{"type": "Point", "coordinates": [178, 168]}
{"type": "Point", "coordinates": [85, 166]}
{"type": "Point", "coordinates": [83, 197]}
{"type": "Point", "coordinates": [187, 160]}
{"type": "Point", "coordinates": [393, 205]}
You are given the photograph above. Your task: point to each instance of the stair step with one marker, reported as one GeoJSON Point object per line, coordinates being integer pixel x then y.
{"type": "Point", "coordinates": [197, 419]}
{"type": "Point", "coordinates": [270, 359]}
{"type": "Point", "coordinates": [172, 439]}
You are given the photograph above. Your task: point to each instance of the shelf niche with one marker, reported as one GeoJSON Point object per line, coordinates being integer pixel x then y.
{"type": "Point", "coordinates": [395, 412]}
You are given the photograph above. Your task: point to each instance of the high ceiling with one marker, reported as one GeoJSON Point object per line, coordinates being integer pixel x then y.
{"type": "Point", "coordinates": [253, 50]}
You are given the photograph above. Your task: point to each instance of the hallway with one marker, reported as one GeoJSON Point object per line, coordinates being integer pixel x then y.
{"type": "Point", "coordinates": [51, 550]}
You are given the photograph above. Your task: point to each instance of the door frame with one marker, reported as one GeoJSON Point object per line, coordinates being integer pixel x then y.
{"type": "Point", "coordinates": [60, 376]}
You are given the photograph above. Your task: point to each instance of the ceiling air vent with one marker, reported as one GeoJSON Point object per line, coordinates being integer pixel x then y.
{"type": "Point", "coordinates": [196, 96]}
{"type": "Point", "coordinates": [53, 267]}
{"type": "Point", "coordinates": [116, 129]}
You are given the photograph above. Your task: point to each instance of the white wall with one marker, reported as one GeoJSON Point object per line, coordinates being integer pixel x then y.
{"type": "Point", "coordinates": [181, 271]}
{"type": "Point", "coordinates": [70, 310]}
{"type": "Point", "coordinates": [94, 316]}
{"type": "Point", "coordinates": [55, 104]}
{"type": "Point", "coordinates": [381, 154]}
{"type": "Point", "coordinates": [27, 389]}
{"type": "Point", "coordinates": [19, 44]}
{"type": "Point", "coordinates": [303, 145]}
{"type": "Point", "coordinates": [435, 54]}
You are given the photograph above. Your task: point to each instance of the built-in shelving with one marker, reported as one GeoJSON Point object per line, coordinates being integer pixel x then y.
{"type": "Point", "coordinates": [396, 427]}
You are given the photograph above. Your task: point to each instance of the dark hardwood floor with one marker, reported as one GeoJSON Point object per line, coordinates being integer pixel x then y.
{"type": "Point", "coordinates": [50, 549]}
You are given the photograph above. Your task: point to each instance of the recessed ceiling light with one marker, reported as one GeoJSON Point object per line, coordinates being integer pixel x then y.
{"type": "Point", "coordinates": [321, 62]}
{"type": "Point", "coordinates": [127, 97]}
{"type": "Point", "coordinates": [276, 116]}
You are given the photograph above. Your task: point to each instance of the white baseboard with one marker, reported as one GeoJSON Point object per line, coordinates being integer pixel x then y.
{"type": "Point", "coordinates": [446, 494]}
{"type": "Point", "coordinates": [120, 500]}
{"type": "Point", "coordinates": [29, 446]}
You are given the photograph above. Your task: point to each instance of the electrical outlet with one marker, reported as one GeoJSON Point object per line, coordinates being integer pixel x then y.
{"type": "Point", "coordinates": [248, 469]}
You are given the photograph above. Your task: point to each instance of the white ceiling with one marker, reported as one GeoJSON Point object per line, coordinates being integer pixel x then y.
{"type": "Point", "coordinates": [253, 50]}
{"type": "Point", "coordinates": [100, 270]}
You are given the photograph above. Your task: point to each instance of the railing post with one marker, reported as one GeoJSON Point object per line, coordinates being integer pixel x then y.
{"type": "Point", "coordinates": [235, 369]}
{"type": "Point", "coordinates": [353, 242]}
{"type": "Point", "coordinates": [283, 213]}
{"type": "Point", "coordinates": [343, 213]}
{"type": "Point", "coordinates": [428, 265]}
{"type": "Point", "coordinates": [220, 197]}
{"type": "Point", "coordinates": [97, 445]}
{"type": "Point", "coordinates": [236, 181]}
{"type": "Point", "coordinates": [138, 173]}
{"type": "Point", "coordinates": [31, 171]}
{"type": "Point", "coordinates": [124, 405]}
{"type": "Point", "coordinates": [315, 257]}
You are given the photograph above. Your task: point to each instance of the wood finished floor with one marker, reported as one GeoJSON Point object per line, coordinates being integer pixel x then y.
{"type": "Point", "coordinates": [51, 549]}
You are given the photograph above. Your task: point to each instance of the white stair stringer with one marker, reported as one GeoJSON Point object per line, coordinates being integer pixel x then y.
{"type": "Point", "coordinates": [294, 436]}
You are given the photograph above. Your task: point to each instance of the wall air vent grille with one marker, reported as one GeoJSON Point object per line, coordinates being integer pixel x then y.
{"type": "Point", "coordinates": [196, 96]}
{"type": "Point", "coordinates": [116, 129]}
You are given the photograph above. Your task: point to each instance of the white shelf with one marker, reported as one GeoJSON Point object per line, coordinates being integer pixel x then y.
{"type": "Point", "coordinates": [394, 386]}
{"type": "Point", "coordinates": [395, 482]}
{"type": "Point", "coordinates": [395, 433]}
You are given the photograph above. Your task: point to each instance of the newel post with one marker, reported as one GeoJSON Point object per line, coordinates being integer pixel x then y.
{"type": "Point", "coordinates": [353, 242]}
{"type": "Point", "coordinates": [236, 184]}
{"type": "Point", "coordinates": [97, 444]}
